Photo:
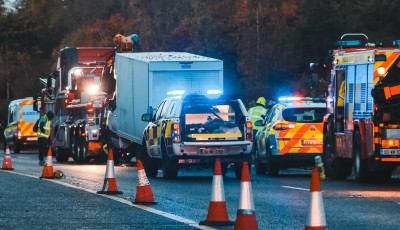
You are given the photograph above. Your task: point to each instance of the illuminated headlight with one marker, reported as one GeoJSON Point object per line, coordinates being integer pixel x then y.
{"type": "Point", "coordinates": [214, 91]}
{"type": "Point", "coordinates": [92, 89]}
{"type": "Point", "coordinates": [78, 72]}
{"type": "Point", "coordinates": [381, 70]}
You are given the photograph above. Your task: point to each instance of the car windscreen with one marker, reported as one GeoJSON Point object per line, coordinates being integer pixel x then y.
{"type": "Point", "coordinates": [304, 115]}
{"type": "Point", "coordinates": [209, 117]}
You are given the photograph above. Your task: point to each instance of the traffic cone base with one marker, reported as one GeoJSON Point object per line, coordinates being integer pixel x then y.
{"type": "Point", "coordinates": [7, 165]}
{"type": "Point", "coordinates": [245, 221]}
{"type": "Point", "coordinates": [217, 215]}
{"type": "Point", "coordinates": [48, 172]}
{"type": "Point", "coordinates": [144, 195]}
{"type": "Point", "coordinates": [109, 187]}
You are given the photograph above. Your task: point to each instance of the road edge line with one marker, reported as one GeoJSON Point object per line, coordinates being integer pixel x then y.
{"type": "Point", "coordinates": [290, 187]}
{"type": "Point", "coordinates": [121, 200]}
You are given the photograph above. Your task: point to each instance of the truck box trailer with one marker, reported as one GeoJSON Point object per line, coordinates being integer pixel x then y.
{"type": "Point", "coordinates": [143, 80]}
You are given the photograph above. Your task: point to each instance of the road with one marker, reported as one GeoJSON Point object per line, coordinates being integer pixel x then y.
{"type": "Point", "coordinates": [280, 202]}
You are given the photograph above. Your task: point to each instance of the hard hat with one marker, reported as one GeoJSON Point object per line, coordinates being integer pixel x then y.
{"type": "Point", "coordinates": [261, 100]}
{"type": "Point", "coordinates": [59, 174]}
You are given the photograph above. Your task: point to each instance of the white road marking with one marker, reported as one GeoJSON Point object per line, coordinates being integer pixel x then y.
{"type": "Point", "coordinates": [303, 189]}
{"type": "Point", "coordinates": [121, 200]}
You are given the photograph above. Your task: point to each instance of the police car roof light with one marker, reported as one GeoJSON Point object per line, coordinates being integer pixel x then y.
{"type": "Point", "coordinates": [214, 91]}
{"type": "Point", "coordinates": [292, 99]}
{"type": "Point", "coordinates": [176, 92]}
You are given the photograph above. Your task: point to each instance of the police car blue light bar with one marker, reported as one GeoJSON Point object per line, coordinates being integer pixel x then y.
{"type": "Point", "coordinates": [176, 92]}
{"type": "Point", "coordinates": [214, 91]}
{"type": "Point", "coordinates": [295, 99]}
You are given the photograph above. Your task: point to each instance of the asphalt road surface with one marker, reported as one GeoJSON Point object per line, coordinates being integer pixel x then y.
{"type": "Point", "coordinates": [280, 202]}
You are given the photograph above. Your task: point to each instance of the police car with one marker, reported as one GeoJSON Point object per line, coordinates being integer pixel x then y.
{"type": "Point", "coordinates": [194, 130]}
{"type": "Point", "coordinates": [291, 136]}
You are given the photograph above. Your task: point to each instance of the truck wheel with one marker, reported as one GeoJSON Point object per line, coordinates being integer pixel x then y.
{"type": "Point", "coordinates": [116, 155]}
{"type": "Point", "coordinates": [150, 165]}
{"type": "Point", "coordinates": [261, 168]}
{"type": "Point", "coordinates": [74, 146]}
{"type": "Point", "coordinates": [169, 165]}
{"type": "Point", "coordinates": [84, 147]}
{"type": "Point", "coordinates": [17, 148]}
{"type": "Point", "coordinates": [79, 146]}
{"type": "Point", "coordinates": [239, 167]}
{"type": "Point", "coordinates": [62, 155]}
{"type": "Point", "coordinates": [360, 166]}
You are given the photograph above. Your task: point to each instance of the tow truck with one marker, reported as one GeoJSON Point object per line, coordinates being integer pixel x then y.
{"type": "Point", "coordinates": [362, 126]}
{"type": "Point", "coordinates": [76, 92]}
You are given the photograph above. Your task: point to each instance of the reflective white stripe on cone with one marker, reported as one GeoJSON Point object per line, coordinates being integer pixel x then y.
{"type": "Point", "coordinates": [217, 212]}
{"type": "Point", "coordinates": [246, 216]}
{"type": "Point", "coordinates": [316, 213]}
{"type": "Point", "coordinates": [144, 194]}
{"type": "Point", "coordinates": [110, 184]}
{"type": "Point", "coordinates": [48, 171]}
{"type": "Point", "coordinates": [7, 165]}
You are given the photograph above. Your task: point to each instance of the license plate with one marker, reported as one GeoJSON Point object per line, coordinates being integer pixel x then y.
{"type": "Point", "coordinates": [96, 104]}
{"type": "Point", "coordinates": [212, 151]}
{"type": "Point", "coordinates": [311, 142]}
{"type": "Point", "coordinates": [32, 139]}
{"type": "Point", "coordinates": [386, 152]}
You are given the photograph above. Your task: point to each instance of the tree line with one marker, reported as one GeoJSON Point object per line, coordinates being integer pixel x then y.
{"type": "Point", "coordinates": [266, 45]}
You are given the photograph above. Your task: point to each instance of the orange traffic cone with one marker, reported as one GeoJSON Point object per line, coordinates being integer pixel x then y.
{"type": "Point", "coordinates": [316, 214]}
{"type": "Point", "coordinates": [144, 194]}
{"type": "Point", "coordinates": [246, 216]}
{"type": "Point", "coordinates": [48, 171]}
{"type": "Point", "coordinates": [110, 184]}
{"type": "Point", "coordinates": [7, 165]}
{"type": "Point", "coordinates": [217, 213]}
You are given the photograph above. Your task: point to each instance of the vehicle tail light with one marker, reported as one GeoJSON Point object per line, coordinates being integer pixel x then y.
{"type": "Point", "coordinates": [249, 131]}
{"type": "Point", "coordinates": [390, 143]}
{"type": "Point", "coordinates": [386, 117]}
{"type": "Point", "coordinates": [283, 126]}
{"type": "Point", "coordinates": [19, 134]}
{"type": "Point", "coordinates": [91, 119]}
{"type": "Point", "coordinates": [176, 133]}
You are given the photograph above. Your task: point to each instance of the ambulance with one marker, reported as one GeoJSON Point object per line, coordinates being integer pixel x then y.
{"type": "Point", "coordinates": [291, 135]}
{"type": "Point", "coordinates": [21, 119]}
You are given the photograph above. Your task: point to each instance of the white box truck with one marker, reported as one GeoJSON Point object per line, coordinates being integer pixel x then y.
{"type": "Point", "coordinates": [143, 80]}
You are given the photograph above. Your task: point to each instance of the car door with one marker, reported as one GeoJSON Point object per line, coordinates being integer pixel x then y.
{"type": "Point", "coordinates": [263, 132]}
{"type": "Point", "coordinates": [269, 131]}
{"type": "Point", "coordinates": [152, 133]}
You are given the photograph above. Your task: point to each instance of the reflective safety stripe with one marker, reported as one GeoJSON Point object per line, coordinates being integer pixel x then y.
{"type": "Point", "coordinates": [255, 114]}
{"type": "Point", "coordinates": [46, 127]}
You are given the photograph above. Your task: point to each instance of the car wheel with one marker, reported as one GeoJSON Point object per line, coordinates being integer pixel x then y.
{"type": "Point", "coordinates": [239, 167]}
{"type": "Point", "coordinates": [169, 165]}
{"type": "Point", "coordinates": [271, 168]}
{"type": "Point", "coordinates": [261, 168]}
{"type": "Point", "coordinates": [360, 166]}
{"type": "Point", "coordinates": [150, 166]}
{"type": "Point", "coordinates": [61, 154]}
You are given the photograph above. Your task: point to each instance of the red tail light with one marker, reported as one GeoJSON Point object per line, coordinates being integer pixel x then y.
{"type": "Point", "coordinates": [249, 131]}
{"type": "Point", "coordinates": [176, 133]}
{"type": "Point", "coordinates": [283, 126]}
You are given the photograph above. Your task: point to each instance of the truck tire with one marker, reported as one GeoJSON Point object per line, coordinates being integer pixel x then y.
{"type": "Point", "coordinates": [74, 145]}
{"type": "Point", "coordinates": [169, 165]}
{"type": "Point", "coordinates": [239, 167]}
{"type": "Point", "coordinates": [360, 166]}
{"type": "Point", "coordinates": [335, 168]}
{"type": "Point", "coordinates": [79, 146]}
{"type": "Point", "coordinates": [150, 165]}
{"type": "Point", "coordinates": [62, 155]}
{"type": "Point", "coordinates": [261, 168]}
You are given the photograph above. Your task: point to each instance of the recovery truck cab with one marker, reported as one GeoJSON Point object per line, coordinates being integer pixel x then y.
{"type": "Point", "coordinates": [362, 127]}
{"type": "Point", "coordinates": [21, 119]}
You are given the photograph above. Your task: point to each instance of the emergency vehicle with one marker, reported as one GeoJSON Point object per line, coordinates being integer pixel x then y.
{"type": "Point", "coordinates": [291, 135]}
{"type": "Point", "coordinates": [21, 119]}
{"type": "Point", "coordinates": [362, 127]}
{"type": "Point", "coordinates": [194, 130]}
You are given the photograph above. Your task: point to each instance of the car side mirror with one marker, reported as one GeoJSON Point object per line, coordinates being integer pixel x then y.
{"type": "Point", "coordinates": [259, 123]}
{"type": "Point", "coordinates": [147, 117]}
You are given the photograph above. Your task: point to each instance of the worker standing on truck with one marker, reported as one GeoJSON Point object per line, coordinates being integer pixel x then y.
{"type": "Point", "coordinates": [43, 135]}
{"type": "Point", "coordinates": [257, 112]}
